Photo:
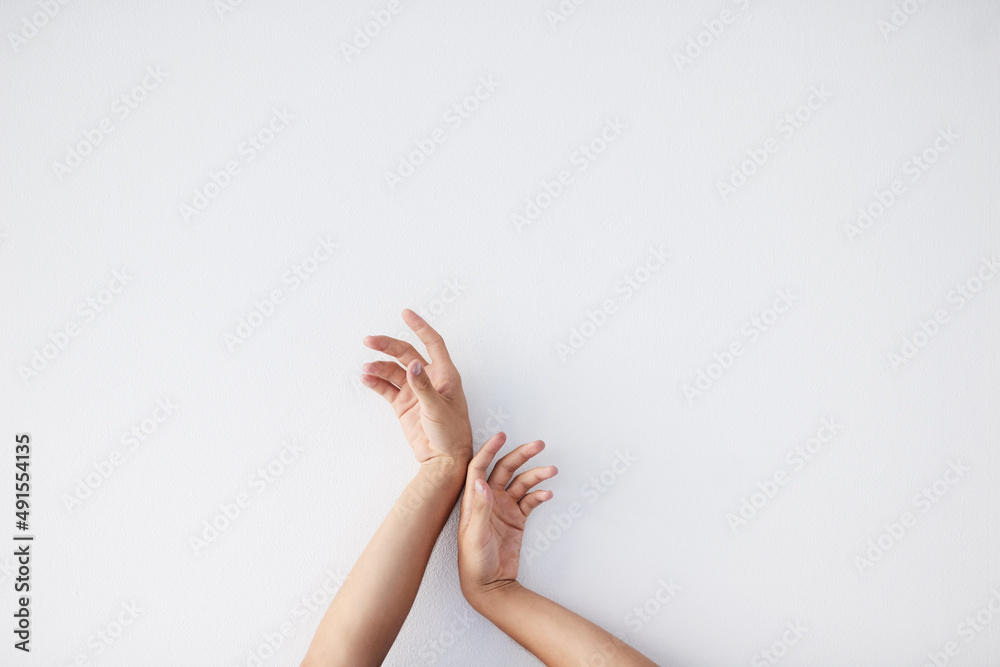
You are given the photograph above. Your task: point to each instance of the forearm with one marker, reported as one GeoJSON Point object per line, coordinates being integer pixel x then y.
{"type": "Point", "coordinates": [555, 635]}
{"type": "Point", "coordinates": [371, 606]}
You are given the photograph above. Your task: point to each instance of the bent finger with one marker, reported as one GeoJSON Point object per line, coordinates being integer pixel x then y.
{"type": "Point", "coordinates": [531, 478]}
{"type": "Point", "coordinates": [394, 347]}
{"type": "Point", "coordinates": [381, 387]}
{"type": "Point", "coordinates": [533, 500]}
{"type": "Point", "coordinates": [387, 370]}
{"type": "Point", "coordinates": [508, 465]}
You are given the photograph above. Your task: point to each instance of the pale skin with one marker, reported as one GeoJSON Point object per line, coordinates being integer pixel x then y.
{"type": "Point", "coordinates": [494, 511]}
{"type": "Point", "coordinates": [365, 616]}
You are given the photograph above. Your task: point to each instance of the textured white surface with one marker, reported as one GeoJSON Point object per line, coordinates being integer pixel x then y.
{"type": "Point", "coordinates": [517, 292]}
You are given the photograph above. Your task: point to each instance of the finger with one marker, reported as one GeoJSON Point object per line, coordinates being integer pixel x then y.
{"type": "Point", "coordinates": [477, 470]}
{"type": "Point", "coordinates": [526, 480]}
{"type": "Point", "coordinates": [395, 348]}
{"type": "Point", "coordinates": [481, 461]}
{"type": "Point", "coordinates": [431, 339]}
{"type": "Point", "coordinates": [385, 389]}
{"type": "Point", "coordinates": [421, 385]}
{"type": "Point", "coordinates": [387, 370]}
{"type": "Point", "coordinates": [533, 500]}
{"type": "Point", "coordinates": [508, 465]}
{"type": "Point", "coordinates": [481, 506]}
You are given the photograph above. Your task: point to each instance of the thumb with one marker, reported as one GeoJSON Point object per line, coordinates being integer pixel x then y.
{"type": "Point", "coordinates": [421, 385]}
{"type": "Point", "coordinates": [482, 506]}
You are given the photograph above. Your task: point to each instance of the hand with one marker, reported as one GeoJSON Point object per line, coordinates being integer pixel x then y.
{"type": "Point", "coordinates": [494, 513]}
{"type": "Point", "coordinates": [427, 398]}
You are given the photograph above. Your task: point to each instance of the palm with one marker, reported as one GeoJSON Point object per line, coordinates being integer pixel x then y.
{"type": "Point", "coordinates": [416, 424]}
{"type": "Point", "coordinates": [503, 546]}
{"type": "Point", "coordinates": [494, 512]}
{"type": "Point", "coordinates": [433, 414]}
{"type": "Point", "coordinates": [407, 409]}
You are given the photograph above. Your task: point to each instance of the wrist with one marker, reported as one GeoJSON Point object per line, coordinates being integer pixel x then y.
{"type": "Point", "coordinates": [445, 470]}
{"type": "Point", "coordinates": [486, 598]}
{"type": "Point", "coordinates": [438, 483]}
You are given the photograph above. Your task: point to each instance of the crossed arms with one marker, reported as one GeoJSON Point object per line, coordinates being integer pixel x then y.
{"type": "Point", "coordinates": [364, 618]}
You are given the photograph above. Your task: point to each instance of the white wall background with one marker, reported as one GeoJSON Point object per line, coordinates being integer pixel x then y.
{"type": "Point", "coordinates": [124, 537]}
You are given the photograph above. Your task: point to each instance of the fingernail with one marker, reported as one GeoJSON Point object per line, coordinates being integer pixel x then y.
{"type": "Point", "coordinates": [368, 368]}
{"type": "Point", "coordinates": [480, 487]}
{"type": "Point", "coordinates": [417, 368]}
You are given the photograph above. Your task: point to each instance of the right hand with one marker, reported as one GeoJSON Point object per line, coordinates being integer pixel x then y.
{"type": "Point", "coordinates": [494, 512]}
{"type": "Point", "coordinates": [427, 398]}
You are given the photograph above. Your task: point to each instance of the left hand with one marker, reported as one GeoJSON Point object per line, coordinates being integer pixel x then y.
{"type": "Point", "coordinates": [494, 512]}
{"type": "Point", "coordinates": [427, 398]}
